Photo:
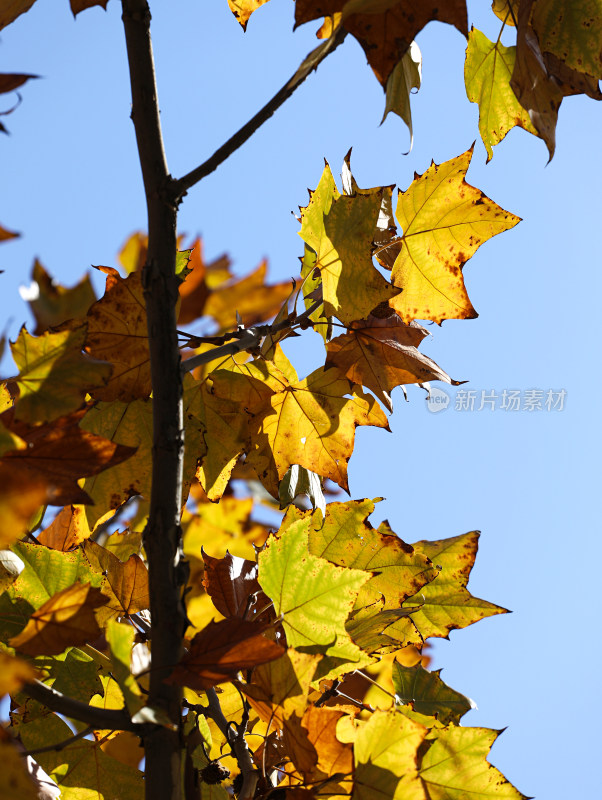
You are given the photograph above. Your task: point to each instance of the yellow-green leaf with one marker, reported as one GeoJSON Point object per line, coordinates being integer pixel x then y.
{"type": "Point", "coordinates": [120, 637]}
{"type": "Point", "coordinates": [444, 221]}
{"type": "Point", "coordinates": [51, 304]}
{"type": "Point", "coordinates": [572, 31]}
{"type": "Point", "coordinates": [54, 375]}
{"type": "Point", "coordinates": [428, 694]}
{"type": "Point", "coordinates": [487, 72]}
{"type": "Point", "coordinates": [455, 766]}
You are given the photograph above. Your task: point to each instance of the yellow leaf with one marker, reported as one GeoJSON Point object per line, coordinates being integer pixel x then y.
{"type": "Point", "coordinates": [444, 221]}
{"type": "Point", "coordinates": [14, 672]}
{"type": "Point", "coordinates": [487, 72]}
{"type": "Point", "coordinates": [68, 529]}
{"type": "Point", "coordinates": [15, 782]}
{"type": "Point", "coordinates": [51, 304]}
{"type": "Point", "coordinates": [65, 620]}
{"type": "Point", "coordinates": [242, 9]}
{"type": "Point", "coordinates": [572, 31]}
{"type": "Point", "coordinates": [54, 375]}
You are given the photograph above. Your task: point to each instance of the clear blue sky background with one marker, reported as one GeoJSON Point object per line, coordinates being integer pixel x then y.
{"type": "Point", "coordinates": [529, 481]}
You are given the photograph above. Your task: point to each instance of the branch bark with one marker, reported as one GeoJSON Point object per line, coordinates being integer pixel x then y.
{"type": "Point", "coordinates": [162, 535]}
{"type": "Point", "coordinates": [312, 62]}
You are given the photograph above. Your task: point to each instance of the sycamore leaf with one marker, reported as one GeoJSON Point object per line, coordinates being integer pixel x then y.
{"type": "Point", "coordinates": [54, 375]}
{"type": "Point", "coordinates": [242, 9]}
{"type": "Point", "coordinates": [456, 766]}
{"type": "Point", "coordinates": [444, 604]}
{"type": "Point", "coordinates": [572, 31]}
{"type": "Point", "coordinates": [68, 529]}
{"type": "Point", "coordinates": [51, 304]}
{"type": "Point", "coordinates": [126, 583]}
{"type": "Point", "coordinates": [117, 332]}
{"type": "Point", "coordinates": [386, 752]}
{"type": "Point", "coordinates": [202, 279]}
{"type": "Point", "coordinates": [506, 10]}
{"type": "Point", "coordinates": [428, 694]}
{"type": "Point", "coordinates": [15, 781]}
{"type": "Point", "coordinates": [378, 356]}
{"type": "Point", "coordinates": [369, 624]}
{"type": "Point", "coordinates": [406, 76]}
{"type": "Point", "coordinates": [60, 453]}
{"type": "Point", "coordinates": [10, 11]}
{"type": "Point", "coordinates": [120, 638]}
{"type": "Point", "coordinates": [230, 581]}
{"type": "Point", "coordinates": [313, 596]}
{"type": "Point", "coordinates": [347, 539]}
{"type": "Point", "coordinates": [14, 672]}
{"type": "Point", "coordinates": [385, 28]}
{"type": "Point", "coordinates": [340, 229]}
{"type": "Point", "coordinates": [21, 495]}
{"type": "Point", "coordinates": [9, 81]}
{"type": "Point", "coordinates": [81, 5]}
{"type": "Point", "coordinates": [301, 481]}
{"type": "Point", "coordinates": [444, 221]}
{"type": "Point", "coordinates": [221, 650]}
{"type": "Point", "coordinates": [65, 620]}
{"type": "Point", "coordinates": [487, 72]}
{"type": "Point", "coordinates": [74, 673]}
{"type": "Point", "coordinates": [82, 770]}
{"type": "Point", "coordinates": [5, 234]}
{"type": "Point", "coordinates": [335, 758]}
{"type": "Point", "coordinates": [251, 297]}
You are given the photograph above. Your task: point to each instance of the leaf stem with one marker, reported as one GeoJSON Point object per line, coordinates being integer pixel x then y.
{"type": "Point", "coordinates": [313, 60]}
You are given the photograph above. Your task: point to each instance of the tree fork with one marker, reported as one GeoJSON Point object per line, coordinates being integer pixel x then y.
{"type": "Point", "coordinates": [162, 534]}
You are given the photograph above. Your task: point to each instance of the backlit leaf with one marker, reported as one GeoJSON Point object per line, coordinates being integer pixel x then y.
{"type": "Point", "coordinates": [126, 583]}
{"type": "Point", "coordinates": [242, 9]}
{"type": "Point", "coordinates": [21, 495]}
{"type": "Point", "coordinates": [65, 620]}
{"type": "Point", "coordinates": [487, 73]}
{"type": "Point", "coordinates": [406, 76]}
{"type": "Point", "coordinates": [51, 304]}
{"type": "Point", "coordinates": [120, 638]}
{"type": "Point", "coordinates": [444, 221]}
{"type": "Point", "coordinates": [14, 672]}
{"type": "Point", "coordinates": [54, 375]}
{"type": "Point", "coordinates": [15, 782]}
{"type": "Point", "coordinates": [455, 766]}
{"type": "Point", "coordinates": [428, 694]}
{"type": "Point", "coordinates": [221, 650]}
{"type": "Point", "coordinates": [230, 581]}
{"type": "Point", "coordinates": [202, 279]}
{"type": "Point", "coordinates": [572, 31]}
{"type": "Point", "coordinates": [68, 529]}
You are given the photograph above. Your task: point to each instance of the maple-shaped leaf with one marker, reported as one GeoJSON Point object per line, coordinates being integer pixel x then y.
{"type": "Point", "coordinates": [221, 650]}
{"type": "Point", "coordinates": [66, 620]}
{"type": "Point", "coordinates": [444, 604]}
{"type": "Point", "coordinates": [313, 596]}
{"type": "Point", "coordinates": [14, 672]}
{"type": "Point", "coordinates": [406, 76]}
{"type": "Point", "coordinates": [487, 73]}
{"type": "Point", "coordinates": [335, 758]}
{"type": "Point", "coordinates": [242, 9]}
{"type": "Point", "coordinates": [250, 296]}
{"type": "Point", "coordinates": [202, 279]}
{"type": "Point", "coordinates": [571, 30]}
{"type": "Point", "coordinates": [231, 582]}
{"type": "Point", "coordinates": [444, 221]}
{"type": "Point", "coordinates": [378, 355]}
{"type": "Point", "coordinates": [346, 538]}
{"type": "Point", "coordinates": [456, 765]}
{"type": "Point", "coordinates": [21, 495]}
{"type": "Point", "coordinates": [82, 770]}
{"type": "Point", "coordinates": [506, 10]}
{"type": "Point", "coordinates": [385, 28]}
{"type": "Point", "coordinates": [386, 753]}
{"type": "Point", "coordinates": [54, 375]}
{"type": "Point", "coordinates": [117, 332]}
{"type": "Point", "coordinates": [68, 529]}
{"type": "Point", "coordinates": [60, 453]}
{"type": "Point", "coordinates": [82, 5]}
{"type": "Point", "coordinates": [10, 11]}
{"type": "Point", "coordinates": [428, 694]}
{"type": "Point", "coordinates": [308, 422]}
{"type": "Point", "coordinates": [51, 304]}
{"type": "Point", "coordinates": [16, 782]}
{"type": "Point", "coordinates": [341, 230]}
{"type": "Point", "coordinates": [125, 584]}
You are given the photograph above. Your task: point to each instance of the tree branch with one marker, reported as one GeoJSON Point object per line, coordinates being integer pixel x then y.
{"type": "Point", "coordinates": [249, 339]}
{"type": "Point", "coordinates": [162, 535]}
{"type": "Point", "coordinates": [59, 745]}
{"type": "Point", "coordinates": [311, 63]}
{"type": "Point", "coordinates": [96, 718]}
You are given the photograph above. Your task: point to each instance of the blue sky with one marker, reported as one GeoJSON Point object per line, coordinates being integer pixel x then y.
{"type": "Point", "coordinates": [527, 480]}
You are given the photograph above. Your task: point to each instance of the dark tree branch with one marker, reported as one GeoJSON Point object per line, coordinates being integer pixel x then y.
{"type": "Point", "coordinates": [162, 535]}
{"type": "Point", "coordinates": [250, 338]}
{"type": "Point", "coordinates": [311, 63]}
{"type": "Point", "coordinates": [96, 718]}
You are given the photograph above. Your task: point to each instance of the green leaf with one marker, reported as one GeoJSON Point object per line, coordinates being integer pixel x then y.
{"type": "Point", "coordinates": [455, 766]}
{"type": "Point", "coordinates": [487, 73]}
{"type": "Point", "coordinates": [82, 770]}
{"type": "Point", "coordinates": [120, 637]}
{"type": "Point", "coordinates": [386, 750]}
{"type": "Point", "coordinates": [54, 375]}
{"type": "Point", "coordinates": [313, 596]}
{"type": "Point", "coordinates": [572, 31]}
{"type": "Point", "coordinates": [73, 673]}
{"type": "Point", "coordinates": [428, 694]}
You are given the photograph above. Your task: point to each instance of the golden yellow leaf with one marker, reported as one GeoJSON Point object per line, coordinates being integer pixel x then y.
{"type": "Point", "coordinates": [68, 529]}
{"type": "Point", "coordinates": [444, 221]}
{"type": "Point", "coordinates": [53, 303]}
{"type": "Point", "coordinates": [65, 620]}
{"type": "Point", "coordinates": [15, 782]}
{"type": "Point", "coordinates": [125, 584]}
{"type": "Point", "coordinates": [14, 672]}
{"type": "Point", "coordinates": [242, 9]}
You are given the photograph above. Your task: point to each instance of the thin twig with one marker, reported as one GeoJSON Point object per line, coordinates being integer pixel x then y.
{"type": "Point", "coordinates": [60, 745]}
{"type": "Point", "coordinates": [311, 63]}
{"type": "Point", "coordinates": [250, 339]}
